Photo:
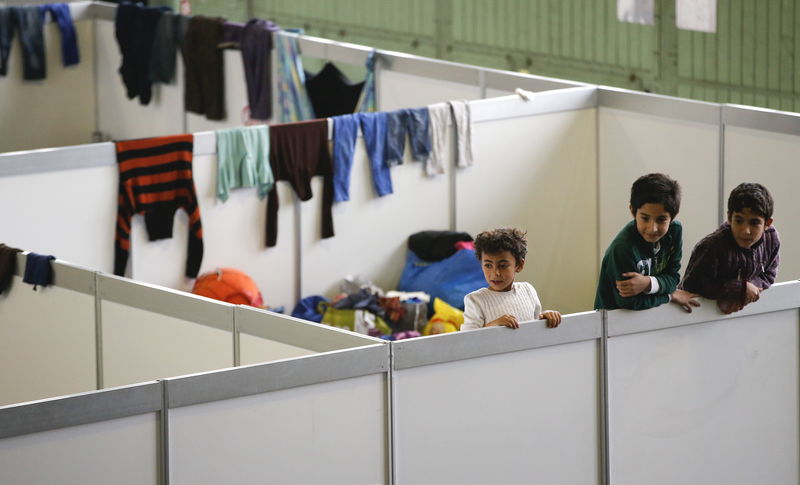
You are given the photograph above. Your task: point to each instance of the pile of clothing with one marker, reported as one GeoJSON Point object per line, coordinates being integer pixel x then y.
{"type": "Point", "coordinates": [365, 308]}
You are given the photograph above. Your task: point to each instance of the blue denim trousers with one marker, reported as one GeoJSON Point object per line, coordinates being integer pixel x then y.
{"type": "Point", "coordinates": [373, 127]}
{"type": "Point", "coordinates": [345, 130]}
{"type": "Point", "coordinates": [414, 123]}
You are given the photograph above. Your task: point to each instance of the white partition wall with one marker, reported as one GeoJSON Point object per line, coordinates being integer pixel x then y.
{"type": "Point", "coordinates": [149, 333]}
{"type": "Point", "coordinates": [102, 437]}
{"type": "Point", "coordinates": [65, 97]}
{"type": "Point", "coordinates": [266, 336]}
{"type": "Point", "coordinates": [499, 405]}
{"type": "Point", "coordinates": [762, 146]}
{"type": "Point", "coordinates": [318, 419]}
{"type": "Point", "coordinates": [535, 168]}
{"type": "Point", "coordinates": [714, 400]}
{"type": "Point", "coordinates": [61, 202]}
{"type": "Point", "coordinates": [641, 134]}
{"type": "Point", "coordinates": [394, 93]}
{"type": "Point", "coordinates": [47, 337]}
{"type": "Point", "coordinates": [371, 231]}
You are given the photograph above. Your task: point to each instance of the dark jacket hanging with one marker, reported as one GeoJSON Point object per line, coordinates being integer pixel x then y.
{"type": "Point", "coordinates": [204, 91]}
{"type": "Point", "coordinates": [298, 151]}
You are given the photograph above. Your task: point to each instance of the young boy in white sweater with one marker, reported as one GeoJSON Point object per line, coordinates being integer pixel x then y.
{"type": "Point", "coordinates": [504, 303]}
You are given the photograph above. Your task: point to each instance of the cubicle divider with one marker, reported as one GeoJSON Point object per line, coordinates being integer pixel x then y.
{"type": "Point", "coordinates": [628, 396]}
{"type": "Point", "coordinates": [89, 330]}
{"type": "Point", "coordinates": [151, 332]}
{"type": "Point", "coordinates": [706, 397]}
{"type": "Point", "coordinates": [500, 406]}
{"type": "Point", "coordinates": [761, 146]}
{"type": "Point", "coordinates": [315, 419]}
{"type": "Point", "coordinates": [108, 436]}
{"type": "Point", "coordinates": [47, 336]}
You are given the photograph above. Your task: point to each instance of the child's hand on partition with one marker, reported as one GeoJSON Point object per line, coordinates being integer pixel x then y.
{"type": "Point", "coordinates": [509, 321]}
{"type": "Point", "coordinates": [685, 299]}
{"type": "Point", "coordinates": [637, 283]}
{"type": "Point", "coordinates": [752, 293]}
{"type": "Point", "coordinates": [553, 318]}
{"type": "Point", "coordinates": [729, 306]}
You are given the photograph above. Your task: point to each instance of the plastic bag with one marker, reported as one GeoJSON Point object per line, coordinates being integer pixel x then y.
{"type": "Point", "coordinates": [445, 319]}
{"type": "Point", "coordinates": [360, 321]}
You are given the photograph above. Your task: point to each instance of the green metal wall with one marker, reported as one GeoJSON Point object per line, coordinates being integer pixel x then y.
{"type": "Point", "coordinates": [750, 60]}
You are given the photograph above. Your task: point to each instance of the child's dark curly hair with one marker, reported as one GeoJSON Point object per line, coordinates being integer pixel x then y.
{"type": "Point", "coordinates": [753, 196]}
{"type": "Point", "coordinates": [508, 239]}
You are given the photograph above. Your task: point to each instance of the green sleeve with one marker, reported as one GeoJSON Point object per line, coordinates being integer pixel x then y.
{"type": "Point", "coordinates": [622, 260]}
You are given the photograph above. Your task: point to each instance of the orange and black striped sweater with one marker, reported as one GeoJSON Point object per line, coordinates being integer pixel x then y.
{"type": "Point", "coordinates": [155, 179]}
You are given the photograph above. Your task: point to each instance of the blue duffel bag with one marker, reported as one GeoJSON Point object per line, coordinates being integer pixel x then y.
{"type": "Point", "coordinates": [449, 279]}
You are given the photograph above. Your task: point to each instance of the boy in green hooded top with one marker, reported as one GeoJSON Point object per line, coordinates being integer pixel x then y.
{"type": "Point", "coordinates": [640, 268]}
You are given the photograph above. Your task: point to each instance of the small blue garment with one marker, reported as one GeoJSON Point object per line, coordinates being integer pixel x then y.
{"type": "Point", "coordinates": [396, 130]}
{"type": "Point", "coordinates": [38, 271]}
{"type": "Point", "coordinates": [419, 133]}
{"type": "Point", "coordinates": [373, 127]}
{"type": "Point", "coordinates": [69, 38]}
{"type": "Point", "coordinates": [345, 131]}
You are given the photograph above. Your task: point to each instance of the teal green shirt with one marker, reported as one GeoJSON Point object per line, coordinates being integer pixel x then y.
{"type": "Point", "coordinates": [243, 160]}
{"type": "Point", "coordinates": [628, 252]}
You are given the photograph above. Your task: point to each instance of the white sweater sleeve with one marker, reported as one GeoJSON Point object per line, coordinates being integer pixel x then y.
{"type": "Point", "coordinates": [473, 317]}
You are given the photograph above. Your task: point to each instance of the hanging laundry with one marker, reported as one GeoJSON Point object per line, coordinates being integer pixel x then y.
{"type": "Point", "coordinates": [345, 132]}
{"type": "Point", "coordinates": [256, 46]}
{"type": "Point", "coordinates": [38, 270]}
{"type": "Point", "coordinates": [135, 29]}
{"type": "Point", "coordinates": [373, 128]}
{"type": "Point", "coordinates": [462, 122]}
{"type": "Point", "coordinates": [419, 133]}
{"type": "Point", "coordinates": [243, 160]}
{"type": "Point", "coordinates": [331, 92]}
{"type": "Point", "coordinates": [69, 38]}
{"type": "Point", "coordinates": [299, 151]}
{"type": "Point", "coordinates": [414, 123]}
{"type": "Point", "coordinates": [204, 82]}
{"type": "Point", "coordinates": [6, 33]}
{"type": "Point", "coordinates": [28, 22]}
{"type": "Point", "coordinates": [8, 265]}
{"type": "Point", "coordinates": [292, 95]}
{"type": "Point", "coordinates": [367, 102]}
{"type": "Point", "coordinates": [439, 117]}
{"type": "Point", "coordinates": [155, 179]}
{"type": "Point", "coordinates": [170, 32]}
{"type": "Point", "coordinates": [231, 35]}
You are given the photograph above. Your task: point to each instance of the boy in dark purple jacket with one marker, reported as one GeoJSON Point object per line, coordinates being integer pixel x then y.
{"type": "Point", "coordinates": [739, 260]}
